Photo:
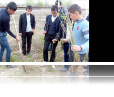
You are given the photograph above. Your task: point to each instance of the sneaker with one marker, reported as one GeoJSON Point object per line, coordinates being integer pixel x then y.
{"type": "Point", "coordinates": [10, 66]}
{"type": "Point", "coordinates": [29, 53]}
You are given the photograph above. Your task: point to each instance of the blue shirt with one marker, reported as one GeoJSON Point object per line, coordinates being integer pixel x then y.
{"type": "Point", "coordinates": [81, 35]}
{"type": "Point", "coordinates": [4, 22]}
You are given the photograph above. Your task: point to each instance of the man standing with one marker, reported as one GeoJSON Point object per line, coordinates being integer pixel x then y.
{"type": "Point", "coordinates": [52, 33]}
{"type": "Point", "coordinates": [4, 29]}
{"type": "Point", "coordinates": [26, 29]}
{"type": "Point", "coordinates": [80, 31]}
{"type": "Point", "coordinates": [62, 12]}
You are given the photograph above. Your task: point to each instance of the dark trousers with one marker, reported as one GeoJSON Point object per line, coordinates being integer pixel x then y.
{"type": "Point", "coordinates": [66, 49]}
{"type": "Point", "coordinates": [28, 38]}
{"type": "Point", "coordinates": [48, 40]}
{"type": "Point", "coordinates": [71, 59]}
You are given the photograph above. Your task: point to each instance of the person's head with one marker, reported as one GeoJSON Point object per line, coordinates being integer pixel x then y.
{"type": "Point", "coordinates": [75, 12]}
{"type": "Point", "coordinates": [60, 3]}
{"type": "Point", "coordinates": [11, 8]}
{"type": "Point", "coordinates": [54, 10]}
{"type": "Point", "coordinates": [28, 10]}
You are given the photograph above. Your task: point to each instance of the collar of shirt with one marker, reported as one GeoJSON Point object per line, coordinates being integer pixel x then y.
{"type": "Point", "coordinates": [28, 15]}
{"type": "Point", "coordinates": [80, 20]}
{"type": "Point", "coordinates": [53, 18]}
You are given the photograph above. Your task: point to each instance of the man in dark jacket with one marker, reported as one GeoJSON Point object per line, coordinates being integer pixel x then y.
{"type": "Point", "coordinates": [52, 33]}
{"type": "Point", "coordinates": [63, 11]}
{"type": "Point", "coordinates": [4, 29]}
{"type": "Point", "coordinates": [26, 29]}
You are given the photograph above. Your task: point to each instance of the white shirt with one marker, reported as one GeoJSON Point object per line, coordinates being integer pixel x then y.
{"type": "Point", "coordinates": [53, 18]}
{"type": "Point", "coordinates": [28, 28]}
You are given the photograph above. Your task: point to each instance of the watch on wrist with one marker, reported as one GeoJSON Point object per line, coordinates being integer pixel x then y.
{"type": "Point", "coordinates": [81, 47]}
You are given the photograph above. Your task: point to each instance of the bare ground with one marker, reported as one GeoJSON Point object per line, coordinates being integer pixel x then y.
{"type": "Point", "coordinates": [45, 73]}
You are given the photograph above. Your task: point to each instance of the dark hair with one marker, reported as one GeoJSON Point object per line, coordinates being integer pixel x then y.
{"type": "Point", "coordinates": [75, 7]}
{"type": "Point", "coordinates": [54, 8]}
{"type": "Point", "coordinates": [29, 7]}
{"type": "Point", "coordinates": [12, 6]}
{"type": "Point", "coordinates": [56, 2]}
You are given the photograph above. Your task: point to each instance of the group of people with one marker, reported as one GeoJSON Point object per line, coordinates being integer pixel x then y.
{"type": "Point", "coordinates": [53, 32]}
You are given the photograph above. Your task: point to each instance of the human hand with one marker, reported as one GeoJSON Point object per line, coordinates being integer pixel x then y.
{"type": "Point", "coordinates": [54, 40]}
{"type": "Point", "coordinates": [76, 48]}
{"type": "Point", "coordinates": [32, 30]}
{"type": "Point", "coordinates": [20, 34]}
{"type": "Point", "coordinates": [63, 40]}
{"type": "Point", "coordinates": [44, 32]}
{"type": "Point", "coordinates": [17, 40]}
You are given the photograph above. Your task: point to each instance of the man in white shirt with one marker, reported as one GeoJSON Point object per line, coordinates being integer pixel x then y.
{"type": "Point", "coordinates": [52, 34]}
{"type": "Point", "coordinates": [26, 29]}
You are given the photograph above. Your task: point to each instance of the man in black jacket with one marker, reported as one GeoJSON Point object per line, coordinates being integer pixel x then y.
{"type": "Point", "coordinates": [52, 33]}
{"type": "Point", "coordinates": [26, 29]}
{"type": "Point", "coordinates": [4, 29]}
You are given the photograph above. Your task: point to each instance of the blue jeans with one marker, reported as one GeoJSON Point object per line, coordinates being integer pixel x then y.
{"type": "Point", "coordinates": [66, 55]}
{"type": "Point", "coordinates": [4, 45]}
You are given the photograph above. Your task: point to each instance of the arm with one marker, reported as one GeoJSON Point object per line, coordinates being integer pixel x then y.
{"type": "Point", "coordinates": [7, 26]}
{"type": "Point", "coordinates": [59, 35]}
{"type": "Point", "coordinates": [46, 26]}
{"type": "Point", "coordinates": [85, 31]}
{"type": "Point", "coordinates": [85, 46]}
{"type": "Point", "coordinates": [34, 22]}
{"type": "Point", "coordinates": [20, 24]}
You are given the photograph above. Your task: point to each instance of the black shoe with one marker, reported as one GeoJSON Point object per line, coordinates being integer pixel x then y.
{"type": "Point", "coordinates": [10, 66]}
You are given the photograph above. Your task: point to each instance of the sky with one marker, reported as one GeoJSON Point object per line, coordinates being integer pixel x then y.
{"type": "Point", "coordinates": [82, 3]}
